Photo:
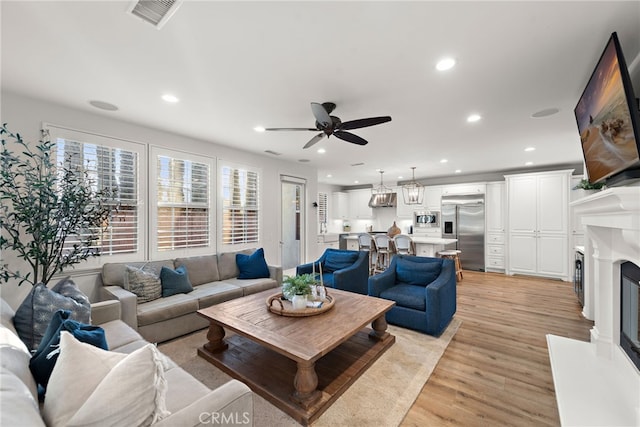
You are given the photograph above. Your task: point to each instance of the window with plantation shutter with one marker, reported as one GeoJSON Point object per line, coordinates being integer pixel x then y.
{"type": "Point", "coordinates": [240, 205]}
{"type": "Point", "coordinates": [322, 209]}
{"type": "Point", "coordinates": [110, 163]}
{"type": "Point", "coordinates": [183, 204]}
{"type": "Point", "coordinates": [181, 199]}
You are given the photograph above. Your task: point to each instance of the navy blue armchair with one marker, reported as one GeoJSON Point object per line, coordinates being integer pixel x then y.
{"type": "Point", "coordinates": [424, 290]}
{"type": "Point", "coordinates": [341, 269]}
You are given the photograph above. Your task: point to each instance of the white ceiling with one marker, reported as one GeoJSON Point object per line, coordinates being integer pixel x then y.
{"type": "Point", "coordinates": [238, 65]}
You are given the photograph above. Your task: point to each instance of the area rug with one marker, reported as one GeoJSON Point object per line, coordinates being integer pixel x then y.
{"type": "Point", "coordinates": [380, 397]}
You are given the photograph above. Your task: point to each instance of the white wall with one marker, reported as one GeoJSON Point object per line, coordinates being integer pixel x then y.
{"type": "Point", "coordinates": [26, 115]}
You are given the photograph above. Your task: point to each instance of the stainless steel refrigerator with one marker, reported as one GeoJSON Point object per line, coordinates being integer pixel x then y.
{"type": "Point", "coordinates": [462, 218]}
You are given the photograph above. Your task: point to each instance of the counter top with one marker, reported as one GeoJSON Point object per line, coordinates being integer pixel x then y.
{"type": "Point", "coordinates": [418, 239]}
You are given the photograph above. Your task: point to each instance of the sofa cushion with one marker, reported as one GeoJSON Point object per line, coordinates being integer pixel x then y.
{"type": "Point", "coordinates": [209, 294]}
{"type": "Point", "coordinates": [45, 357]}
{"type": "Point", "coordinates": [409, 296]}
{"type": "Point", "coordinates": [166, 308]}
{"type": "Point", "coordinates": [179, 381]}
{"type": "Point", "coordinates": [175, 281]}
{"type": "Point", "coordinates": [105, 375]}
{"type": "Point", "coordinates": [17, 405]}
{"type": "Point", "coordinates": [34, 314]}
{"type": "Point", "coordinates": [201, 269]}
{"type": "Point", "coordinates": [337, 260]}
{"type": "Point", "coordinates": [145, 284]}
{"type": "Point", "coordinates": [252, 286]}
{"type": "Point", "coordinates": [252, 266]}
{"type": "Point", "coordinates": [119, 334]}
{"type": "Point", "coordinates": [14, 357]}
{"type": "Point", "coordinates": [113, 272]}
{"type": "Point", "coordinates": [416, 273]}
{"type": "Point", "coordinates": [227, 266]}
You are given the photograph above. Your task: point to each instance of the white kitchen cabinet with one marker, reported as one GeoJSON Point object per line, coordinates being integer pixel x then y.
{"type": "Point", "coordinates": [352, 244]}
{"type": "Point", "coordinates": [494, 202]}
{"type": "Point", "coordinates": [359, 204]}
{"type": "Point", "coordinates": [454, 189]}
{"type": "Point", "coordinates": [537, 210]}
{"type": "Point", "coordinates": [433, 198]}
{"type": "Point", "coordinates": [339, 205]}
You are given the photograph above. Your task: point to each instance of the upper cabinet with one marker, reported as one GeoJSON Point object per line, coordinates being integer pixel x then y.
{"type": "Point", "coordinates": [359, 204]}
{"type": "Point", "coordinates": [495, 207]}
{"type": "Point", "coordinates": [433, 197]}
{"type": "Point", "coordinates": [475, 188]}
{"type": "Point", "coordinates": [339, 205]}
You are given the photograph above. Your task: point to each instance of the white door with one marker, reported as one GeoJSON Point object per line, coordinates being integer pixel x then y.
{"type": "Point", "coordinates": [292, 221]}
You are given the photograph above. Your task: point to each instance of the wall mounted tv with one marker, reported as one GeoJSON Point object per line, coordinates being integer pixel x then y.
{"type": "Point", "coordinates": [608, 120]}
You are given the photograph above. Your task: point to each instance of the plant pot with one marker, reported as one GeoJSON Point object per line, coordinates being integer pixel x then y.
{"type": "Point", "coordinates": [299, 302]}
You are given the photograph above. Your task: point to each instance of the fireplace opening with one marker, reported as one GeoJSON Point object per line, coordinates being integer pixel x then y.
{"type": "Point", "coordinates": [630, 311]}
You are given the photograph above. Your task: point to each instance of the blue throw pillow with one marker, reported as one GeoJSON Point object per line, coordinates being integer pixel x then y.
{"type": "Point", "coordinates": [175, 281]}
{"type": "Point", "coordinates": [337, 260]}
{"type": "Point", "coordinates": [45, 357]}
{"type": "Point", "coordinates": [252, 266]}
{"type": "Point", "coordinates": [416, 273]}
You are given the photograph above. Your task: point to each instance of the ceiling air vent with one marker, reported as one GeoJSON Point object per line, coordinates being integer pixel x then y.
{"type": "Point", "coordinates": [155, 12]}
{"type": "Point", "coordinates": [275, 153]}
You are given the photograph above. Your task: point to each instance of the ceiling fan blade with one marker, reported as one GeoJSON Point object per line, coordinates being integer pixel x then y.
{"type": "Point", "coordinates": [349, 137]}
{"type": "Point", "coordinates": [314, 140]}
{"type": "Point", "coordinates": [321, 115]}
{"type": "Point", "coordinates": [363, 123]}
{"type": "Point", "coordinates": [278, 129]}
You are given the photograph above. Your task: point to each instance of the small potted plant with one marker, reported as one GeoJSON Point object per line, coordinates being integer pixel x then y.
{"type": "Point", "coordinates": [586, 185]}
{"type": "Point", "coordinates": [296, 289]}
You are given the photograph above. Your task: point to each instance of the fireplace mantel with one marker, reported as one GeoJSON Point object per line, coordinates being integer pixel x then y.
{"type": "Point", "coordinates": [596, 383]}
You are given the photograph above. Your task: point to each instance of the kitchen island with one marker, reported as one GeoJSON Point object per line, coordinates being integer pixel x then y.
{"type": "Point", "coordinates": [425, 245]}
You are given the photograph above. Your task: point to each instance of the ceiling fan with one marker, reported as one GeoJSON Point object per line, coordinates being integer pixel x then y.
{"type": "Point", "coordinates": [331, 125]}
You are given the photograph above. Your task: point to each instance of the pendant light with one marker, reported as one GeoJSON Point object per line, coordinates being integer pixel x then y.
{"type": "Point", "coordinates": [413, 192]}
{"type": "Point", "coordinates": [382, 196]}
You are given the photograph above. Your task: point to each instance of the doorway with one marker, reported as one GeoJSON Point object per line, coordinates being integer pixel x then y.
{"type": "Point", "coordinates": [292, 239]}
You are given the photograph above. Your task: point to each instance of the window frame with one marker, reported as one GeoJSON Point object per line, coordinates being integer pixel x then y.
{"type": "Point", "coordinates": [222, 247]}
{"type": "Point", "coordinates": [154, 252]}
{"type": "Point", "coordinates": [86, 137]}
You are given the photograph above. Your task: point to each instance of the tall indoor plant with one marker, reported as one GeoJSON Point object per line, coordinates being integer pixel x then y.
{"type": "Point", "coordinates": [51, 213]}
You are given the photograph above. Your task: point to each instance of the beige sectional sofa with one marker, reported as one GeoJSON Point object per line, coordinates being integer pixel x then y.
{"type": "Point", "coordinates": [214, 279]}
{"type": "Point", "coordinates": [189, 401]}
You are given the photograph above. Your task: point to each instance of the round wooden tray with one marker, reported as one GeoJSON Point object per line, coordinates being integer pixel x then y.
{"type": "Point", "coordinates": [283, 307]}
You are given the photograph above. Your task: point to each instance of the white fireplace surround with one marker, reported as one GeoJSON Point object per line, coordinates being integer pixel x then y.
{"type": "Point", "coordinates": [596, 383]}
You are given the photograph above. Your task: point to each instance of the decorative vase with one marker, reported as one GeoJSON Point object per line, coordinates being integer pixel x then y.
{"type": "Point", "coordinates": [393, 230]}
{"type": "Point", "coordinates": [299, 302]}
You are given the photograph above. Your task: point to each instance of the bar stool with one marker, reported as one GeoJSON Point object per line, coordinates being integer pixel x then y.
{"type": "Point", "coordinates": [404, 244]}
{"type": "Point", "coordinates": [384, 251]}
{"type": "Point", "coordinates": [365, 243]}
{"type": "Point", "coordinates": [453, 254]}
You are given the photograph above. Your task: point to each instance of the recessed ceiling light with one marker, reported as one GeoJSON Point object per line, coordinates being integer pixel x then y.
{"type": "Point", "coordinates": [545, 113]}
{"type": "Point", "coordinates": [444, 161]}
{"type": "Point", "coordinates": [473, 118]}
{"type": "Point", "coordinates": [445, 64]}
{"type": "Point", "coordinates": [401, 177]}
{"type": "Point", "coordinates": [458, 171]}
{"type": "Point", "coordinates": [528, 163]}
{"type": "Point", "coordinates": [530, 149]}
{"type": "Point", "coordinates": [321, 150]}
{"type": "Point", "coordinates": [329, 176]}
{"type": "Point", "coordinates": [104, 105]}
{"type": "Point", "coordinates": [258, 129]}
{"type": "Point", "coordinates": [356, 182]}
{"type": "Point", "coordinates": [167, 97]}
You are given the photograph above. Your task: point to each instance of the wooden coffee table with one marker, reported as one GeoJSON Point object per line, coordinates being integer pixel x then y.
{"type": "Point", "coordinates": [300, 364]}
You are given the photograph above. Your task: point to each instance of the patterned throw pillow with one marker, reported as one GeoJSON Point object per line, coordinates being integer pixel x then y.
{"type": "Point", "coordinates": [145, 284]}
{"type": "Point", "coordinates": [33, 316]}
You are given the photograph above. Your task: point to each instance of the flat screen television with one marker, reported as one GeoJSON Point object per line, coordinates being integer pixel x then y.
{"type": "Point", "coordinates": [609, 121]}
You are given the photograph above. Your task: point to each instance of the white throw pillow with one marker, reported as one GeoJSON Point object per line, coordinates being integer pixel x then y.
{"type": "Point", "coordinates": [91, 386]}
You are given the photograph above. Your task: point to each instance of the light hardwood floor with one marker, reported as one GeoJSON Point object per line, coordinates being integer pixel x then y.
{"type": "Point", "coordinates": [496, 370]}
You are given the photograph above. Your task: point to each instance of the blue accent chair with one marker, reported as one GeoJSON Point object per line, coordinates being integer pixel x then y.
{"type": "Point", "coordinates": [424, 290]}
{"type": "Point", "coordinates": [341, 269]}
